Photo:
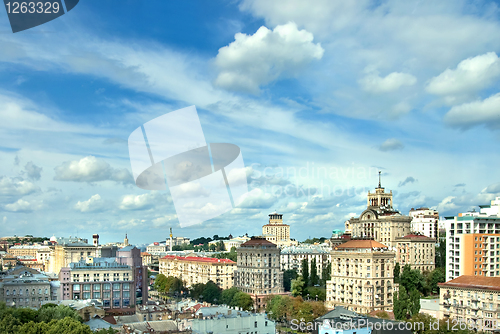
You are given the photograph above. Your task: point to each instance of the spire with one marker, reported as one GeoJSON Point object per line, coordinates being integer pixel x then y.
{"type": "Point", "coordinates": [379, 183]}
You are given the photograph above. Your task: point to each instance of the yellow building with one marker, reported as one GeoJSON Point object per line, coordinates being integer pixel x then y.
{"type": "Point", "coordinates": [362, 277]}
{"type": "Point", "coordinates": [474, 300]}
{"type": "Point", "coordinates": [416, 250]}
{"type": "Point", "coordinates": [193, 270]}
{"type": "Point", "coordinates": [277, 232]}
{"type": "Point", "coordinates": [62, 255]}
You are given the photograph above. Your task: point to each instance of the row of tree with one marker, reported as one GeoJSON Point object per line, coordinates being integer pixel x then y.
{"type": "Point", "coordinates": [426, 283]}
{"type": "Point", "coordinates": [285, 308]}
{"type": "Point", "coordinates": [50, 319]}
{"type": "Point", "coordinates": [209, 292]}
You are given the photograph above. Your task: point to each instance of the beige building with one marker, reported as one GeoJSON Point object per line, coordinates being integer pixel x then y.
{"type": "Point", "coordinates": [362, 277]}
{"type": "Point", "coordinates": [472, 299]}
{"type": "Point", "coordinates": [235, 242]}
{"type": "Point", "coordinates": [63, 254]}
{"type": "Point", "coordinates": [380, 221]}
{"type": "Point", "coordinates": [418, 251]}
{"type": "Point", "coordinates": [291, 257]}
{"type": "Point", "coordinates": [193, 270]}
{"type": "Point", "coordinates": [277, 232]}
{"type": "Point", "coordinates": [259, 272]}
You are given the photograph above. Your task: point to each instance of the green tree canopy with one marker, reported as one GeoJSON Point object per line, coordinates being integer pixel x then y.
{"type": "Point", "coordinates": [243, 300]}
{"type": "Point", "coordinates": [305, 271]}
{"type": "Point", "coordinates": [228, 295]}
{"type": "Point", "coordinates": [314, 279]}
{"type": "Point", "coordinates": [298, 286]}
{"type": "Point", "coordinates": [288, 276]}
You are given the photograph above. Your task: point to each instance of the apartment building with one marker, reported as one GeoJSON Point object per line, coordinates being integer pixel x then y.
{"type": "Point", "coordinates": [418, 251]}
{"type": "Point", "coordinates": [474, 300]}
{"type": "Point", "coordinates": [258, 270]}
{"type": "Point", "coordinates": [292, 256]}
{"type": "Point", "coordinates": [362, 276]}
{"type": "Point", "coordinates": [277, 232]}
{"type": "Point", "coordinates": [34, 256]}
{"type": "Point", "coordinates": [473, 242]}
{"type": "Point", "coordinates": [193, 270]}
{"type": "Point", "coordinates": [380, 221]}
{"type": "Point", "coordinates": [425, 221]}
{"type": "Point", "coordinates": [99, 278]}
{"type": "Point", "coordinates": [62, 254]}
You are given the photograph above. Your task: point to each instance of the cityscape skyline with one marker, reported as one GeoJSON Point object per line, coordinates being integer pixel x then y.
{"type": "Point", "coordinates": [319, 99]}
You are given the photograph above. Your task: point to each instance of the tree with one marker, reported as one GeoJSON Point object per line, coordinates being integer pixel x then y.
{"type": "Point", "coordinates": [305, 271]}
{"type": "Point", "coordinates": [397, 272]}
{"type": "Point", "coordinates": [434, 277]}
{"type": "Point", "coordinates": [243, 300]}
{"type": "Point", "coordinates": [298, 286]}
{"type": "Point", "coordinates": [57, 313]}
{"type": "Point", "coordinates": [441, 254]}
{"type": "Point", "coordinates": [220, 246]}
{"type": "Point", "coordinates": [314, 279]}
{"type": "Point", "coordinates": [314, 291]}
{"type": "Point", "coordinates": [212, 247]}
{"type": "Point", "coordinates": [400, 304]}
{"type": "Point", "coordinates": [414, 303]}
{"type": "Point", "coordinates": [196, 290]}
{"type": "Point", "coordinates": [211, 293]}
{"type": "Point", "coordinates": [228, 295]}
{"type": "Point", "coordinates": [288, 276]}
{"type": "Point", "coordinates": [412, 279]}
{"type": "Point", "coordinates": [326, 273]}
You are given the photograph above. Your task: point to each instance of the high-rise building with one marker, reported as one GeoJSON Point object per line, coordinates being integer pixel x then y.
{"type": "Point", "coordinates": [425, 221]}
{"type": "Point", "coordinates": [473, 242]}
{"type": "Point", "coordinates": [276, 231]}
{"type": "Point", "coordinates": [362, 278]}
{"type": "Point", "coordinates": [380, 221]}
{"type": "Point", "coordinates": [258, 270]}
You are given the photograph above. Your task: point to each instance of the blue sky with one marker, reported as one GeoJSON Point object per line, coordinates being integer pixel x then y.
{"type": "Point", "coordinates": [409, 88]}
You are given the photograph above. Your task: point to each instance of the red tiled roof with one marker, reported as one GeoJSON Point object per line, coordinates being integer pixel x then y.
{"type": "Point", "coordinates": [145, 254]}
{"type": "Point", "coordinates": [473, 282]}
{"type": "Point", "coordinates": [198, 259]}
{"type": "Point", "coordinates": [361, 244]}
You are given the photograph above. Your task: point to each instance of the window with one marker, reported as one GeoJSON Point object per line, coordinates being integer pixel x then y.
{"type": "Point", "coordinates": [255, 325]}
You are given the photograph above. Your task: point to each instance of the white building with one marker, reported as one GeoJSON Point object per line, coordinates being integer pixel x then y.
{"type": "Point", "coordinates": [425, 221]}
{"type": "Point", "coordinates": [291, 257]}
{"type": "Point", "coordinates": [472, 239]}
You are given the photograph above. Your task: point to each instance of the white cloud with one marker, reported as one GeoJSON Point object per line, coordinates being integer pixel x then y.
{"type": "Point", "coordinates": [328, 217]}
{"type": "Point", "coordinates": [91, 169]}
{"type": "Point", "coordinates": [257, 199]}
{"type": "Point", "coordinates": [471, 75]}
{"type": "Point", "coordinates": [254, 60]}
{"type": "Point", "coordinates": [20, 206]}
{"type": "Point", "coordinates": [486, 112]}
{"type": "Point", "coordinates": [446, 205]}
{"type": "Point", "coordinates": [143, 201]}
{"type": "Point", "coordinates": [16, 186]}
{"type": "Point", "coordinates": [391, 144]}
{"type": "Point", "coordinates": [93, 204]}
{"type": "Point", "coordinates": [191, 190]}
{"type": "Point", "coordinates": [373, 83]}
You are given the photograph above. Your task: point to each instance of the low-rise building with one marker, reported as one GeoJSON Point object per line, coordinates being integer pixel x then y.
{"type": "Point", "coordinates": [193, 270]}
{"type": "Point", "coordinates": [87, 308]}
{"type": "Point", "coordinates": [362, 277]}
{"type": "Point", "coordinates": [474, 300]}
{"type": "Point", "coordinates": [25, 287]}
{"type": "Point", "coordinates": [419, 251]}
{"type": "Point", "coordinates": [233, 322]}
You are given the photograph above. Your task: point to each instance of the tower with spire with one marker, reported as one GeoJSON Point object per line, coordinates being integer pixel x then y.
{"type": "Point", "coordinates": [380, 199]}
{"type": "Point", "coordinates": [125, 242]}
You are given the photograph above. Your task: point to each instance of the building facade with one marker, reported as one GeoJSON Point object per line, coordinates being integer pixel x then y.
{"type": "Point", "coordinates": [100, 278]}
{"type": "Point", "coordinates": [380, 221]}
{"type": "Point", "coordinates": [419, 251]}
{"type": "Point", "coordinates": [425, 221]}
{"type": "Point", "coordinates": [25, 287]}
{"type": "Point", "coordinates": [292, 256]}
{"type": "Point", "coordinates": [258, 270]}
{"type": "Point", "coordinates": [362, 278]}
{"type": "Point", "coordinates": [277, 232]}
{"type": "Point", "coordinates": [193, 270]}
{"type": "Point", "coordinates": [473, 242]}
{"type": "Point", "coordinates": [473, 300]}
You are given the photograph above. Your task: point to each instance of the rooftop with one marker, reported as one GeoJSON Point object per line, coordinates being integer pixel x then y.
{"type": "Point", "coordinates": [198, 259]}
{"type": "Point", "coordinates": [474, 282]}
{"type": "Point", "coordinates": [358, 243]}
{"type": "Point", "coordinates": [417, 236]}
{"type": "Point", "coordinates": [256, 241]}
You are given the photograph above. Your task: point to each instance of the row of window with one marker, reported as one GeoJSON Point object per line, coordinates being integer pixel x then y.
{"type": "Point", "coordinates": [97, 287]}
{"type": "Point", "coordinates": [27, 292]}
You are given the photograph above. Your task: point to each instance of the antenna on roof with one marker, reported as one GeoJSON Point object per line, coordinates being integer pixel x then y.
{"type": "Point", "coordinates": [379, 183]}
